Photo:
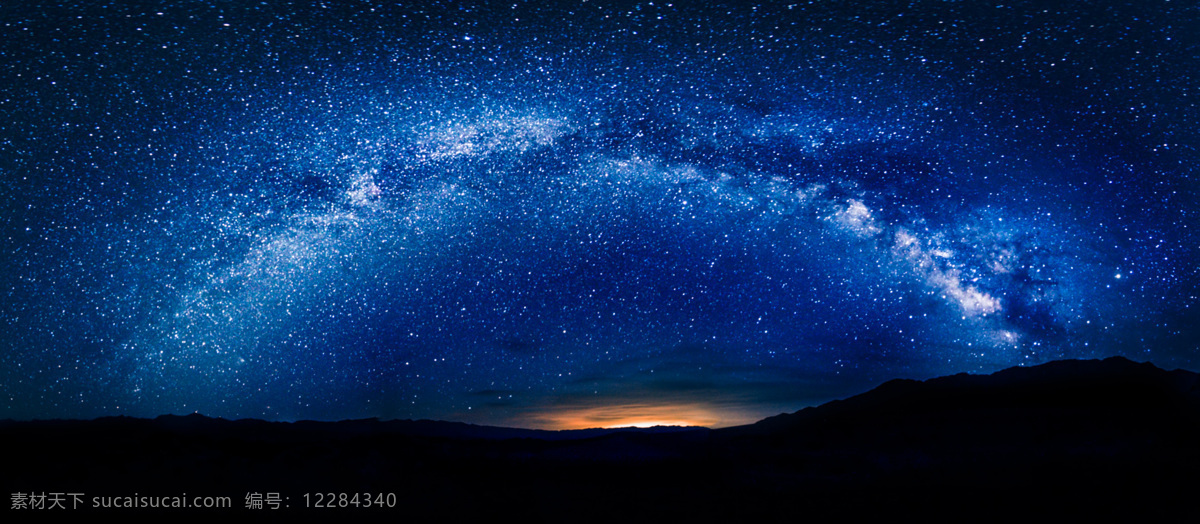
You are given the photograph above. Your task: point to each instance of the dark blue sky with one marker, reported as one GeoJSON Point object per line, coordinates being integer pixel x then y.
{"type": "Point", "coordinates": [584, 214]}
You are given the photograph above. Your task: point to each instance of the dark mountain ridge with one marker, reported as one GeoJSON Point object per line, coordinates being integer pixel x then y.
{"type": "Point", "coordinates": [198, 424]}
{"type": "Point", "coordinates": [1087, 437]}
{"type": "Point", "coordinates": [1081, 387]}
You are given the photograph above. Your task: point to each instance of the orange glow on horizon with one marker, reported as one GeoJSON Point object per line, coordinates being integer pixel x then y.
{"type": "Point", "coordinates": [640, 415]}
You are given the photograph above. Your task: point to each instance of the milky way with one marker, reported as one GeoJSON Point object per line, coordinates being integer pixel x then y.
{"type": "Point", "coordinates": [554, 216]}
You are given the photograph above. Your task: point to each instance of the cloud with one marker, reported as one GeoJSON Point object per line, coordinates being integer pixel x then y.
{"type": "Point", "coordinates": [932, 265]}
{"type": "Point", "coordinates": [855, 217]}
{"type": "Point", "coordinates": [490, 135]}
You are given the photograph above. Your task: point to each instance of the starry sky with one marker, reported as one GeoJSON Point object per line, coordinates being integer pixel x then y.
{"type": "Point", "coordinates": [580, 214]}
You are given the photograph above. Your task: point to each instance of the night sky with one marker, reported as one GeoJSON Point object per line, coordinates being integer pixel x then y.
{"type": "Point", "coordinates": [584, 214]}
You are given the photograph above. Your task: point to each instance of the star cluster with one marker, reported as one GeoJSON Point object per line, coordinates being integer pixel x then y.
{"type": "Point", "coordinates": [579, 214]}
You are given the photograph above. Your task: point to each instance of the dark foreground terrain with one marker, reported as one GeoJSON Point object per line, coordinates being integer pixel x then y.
{"type": "Point", "coordinates": [1070, 438]}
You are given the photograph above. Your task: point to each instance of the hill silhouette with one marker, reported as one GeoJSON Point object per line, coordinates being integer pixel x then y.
{"type": "Point", "coordinates": [1081, 438]}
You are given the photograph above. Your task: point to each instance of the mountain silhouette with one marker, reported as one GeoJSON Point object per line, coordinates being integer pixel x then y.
{"type": "Point", "coordinates": [1077, 438]}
